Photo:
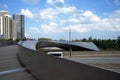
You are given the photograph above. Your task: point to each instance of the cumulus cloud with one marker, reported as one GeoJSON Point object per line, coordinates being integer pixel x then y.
{"type": "Point", "coordinates": [31, 1]}
{"type": "Point", "coordinates": [48, 28]}
{"type": "Point", "coordinates": [48, 13]}
{"type": "Point", "coordinates": [57, 3]}
{"type": "Point", "coordinates": [33, 32]}
{"type": "Point", "coordinates": [87, 21]}
{"type": "Point", "coordinates": [84, 17]}
{"type": "Point", "coordinates": [69, 17]}
{"type": "Point", "coordinates": [54, 1]}
{"type": "Point", "coordinates": [36, 29]}
{"type": "Point", "coordinates": [38, 15]}
{"type": "Point", "coordinates": [66, 9]}
{"type": "Point", "coordinates": [90, 16]}
{"type": "Point", "coordinates": [77, 28]}
{"type": "Point", "coordinates": [27, 13]}
{"type": "Point", "coordinates": [43, 30]}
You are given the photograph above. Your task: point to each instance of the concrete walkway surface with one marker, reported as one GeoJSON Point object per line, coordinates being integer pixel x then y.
{"type": "Point", "coordinates": [10, 68]}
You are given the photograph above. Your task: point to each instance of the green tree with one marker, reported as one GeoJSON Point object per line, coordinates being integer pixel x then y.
{"type": "Point", "coordinates": [90, 39]}
{"type": "Point", "coordinates": [44, 39]}
{"type": "Point", "coordinates": [61, 39]}
{"type": "Point", "coordinates": [84, 40]}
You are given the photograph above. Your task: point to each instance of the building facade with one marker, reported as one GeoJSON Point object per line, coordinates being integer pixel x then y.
{"type": "Point", "coordinates": [19, 22]}
{"type": "Point", "coordinates": [5, 25]}
{"type": "Point", "coordinates": [11, 28]}
{"type": "Point", "coordinates": [14, 30]}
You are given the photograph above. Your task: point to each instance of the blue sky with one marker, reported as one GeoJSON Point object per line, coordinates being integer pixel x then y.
{"type": "Point", "coordinates": [54, 18]}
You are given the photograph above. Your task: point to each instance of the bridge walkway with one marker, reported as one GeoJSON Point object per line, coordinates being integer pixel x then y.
{"type": "Point", "coordinates": [10, 68]}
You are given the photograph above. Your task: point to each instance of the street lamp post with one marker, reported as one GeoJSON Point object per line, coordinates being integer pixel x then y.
{"type": "Point", "coordinates": [70, 42]}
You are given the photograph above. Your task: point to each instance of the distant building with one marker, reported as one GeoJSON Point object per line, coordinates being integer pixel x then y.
{"type": "Point", "coordinates": [19, 22]}
{"type": "Point", "coordinates": [5, 25]}
{"type": "Point", "coordinates": [11, 28]}
{"type": "Point", "coordinates": [3, 13]}
{"type": "Point", "coordinates": [14, 30]}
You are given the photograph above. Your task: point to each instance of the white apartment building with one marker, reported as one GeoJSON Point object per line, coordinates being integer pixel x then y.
{"type": "Point", "coordinates": [5, 25]}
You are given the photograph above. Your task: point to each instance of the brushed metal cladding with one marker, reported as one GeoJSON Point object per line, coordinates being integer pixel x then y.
{"type": "Point", "coordinates": [48, 67]}
{"type": "Point", "coordinates": [76, 46]}
{"type": "Point", "coordinates": [31, 44]}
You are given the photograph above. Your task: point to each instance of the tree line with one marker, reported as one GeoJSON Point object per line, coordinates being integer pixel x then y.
{"type": "Point", "coordinates": [104, 44]}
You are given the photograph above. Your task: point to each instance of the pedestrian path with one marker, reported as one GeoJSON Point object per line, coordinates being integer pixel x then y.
{"type": "Point", "coordinates": [10, 68]}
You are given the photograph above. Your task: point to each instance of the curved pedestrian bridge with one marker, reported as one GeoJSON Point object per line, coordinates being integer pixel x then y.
{"type": "Point", "coordinates": [45, 67]}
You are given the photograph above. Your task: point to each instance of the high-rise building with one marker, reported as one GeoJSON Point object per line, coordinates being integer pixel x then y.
{"type": "Point", "coordinates": [19, 21]}
{"type": "Point", "coordinates": [14, 30]}
{"type": "Point", "coordinates": [11, 28]}
{"type": "Point", "coordinates": [5, 25]}
{"type": "Point", "coordinates": [3, 12]}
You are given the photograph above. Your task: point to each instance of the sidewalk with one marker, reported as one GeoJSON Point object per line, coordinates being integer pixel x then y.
{"type": "Point", "coordinates": [10, 68]}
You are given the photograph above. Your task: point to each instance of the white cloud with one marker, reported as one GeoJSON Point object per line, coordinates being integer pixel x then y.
{"type": "Point", "coordinates": [87, 21]}
{"type": "Point", "coordinates": [48, 28]}
{"type": "Point", "coordinates": [59, 19]}
{"type": "Point", "coordinates": [52, 13]}
{"type": "Point", "coordinates": [38, 15]}
{"type": "Point", "coordinates": [90, 16]}
{"type": "Point", "coordinates": [77, 28]}
{"type": "Point", "coordinates": [84, 17]}
{"type": "Point", "coordinates": [67, 9]}
{"type": "Point", "coordinates": [34, 29]}
{"type": "Point", "coordinates": [56, 3]}
{"type": "Point", "coordinates": [53, 24]}
{"type": "Point", "coordinates": [31, 1]}
{"type": "Point", "coordinates": [27, 13]}
{"type": "Point", "coordinates": [74, 20]}
{"type": "Point", "coordinates": [48, 13]}
{"type": "Point", "coordinates": [111, 24]}
{"type": "Point", "coordinates": [33, 32]}
{"type": "Point", "coordinates": [50, 1]}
